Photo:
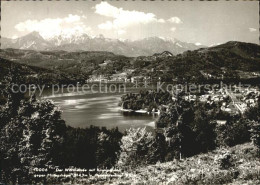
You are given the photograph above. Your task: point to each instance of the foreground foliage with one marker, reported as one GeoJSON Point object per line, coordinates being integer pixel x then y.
{"type": "Point", "coordinates": [236, 165]}
{"type": "Point", "coordinates": [33, 135]}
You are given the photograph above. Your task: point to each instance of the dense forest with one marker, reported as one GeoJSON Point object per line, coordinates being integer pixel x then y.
{"type": "Point", "coordinates": [29, 74]}
{"type": "Point", "coordinates": [149, 100]}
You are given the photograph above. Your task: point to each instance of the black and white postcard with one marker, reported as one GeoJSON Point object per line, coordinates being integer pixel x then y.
{"type": "Point", "coordinates": [129, 92]}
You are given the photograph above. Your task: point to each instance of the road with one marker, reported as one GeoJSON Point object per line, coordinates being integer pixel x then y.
{"type": "Point", "coordinates": [236, 102]}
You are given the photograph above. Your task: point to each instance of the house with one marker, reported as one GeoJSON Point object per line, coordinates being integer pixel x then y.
{"type": "Point", "coordinates": [108, 61]}
{"type": "Point", "coordinates": [204, 97]}
{"type": "Point", "coordinates": [137, 79]}
{"type": "Point", "coordinates": [190, 98]}
{"type": "Point", "coordinates": [221, 122]}
{"type": "Point", "coordinates": [32, 76]}
{"type": "Point", "coordinates": [121, 77]}
{"type": "Point", "coordinates": [104, 64]}
{"type": "Point", "coordinates": [256, 73]}
{"type": "Point", "coordinates": [129, 71]}
{"type": "Point", "coordinates": [97, 78]}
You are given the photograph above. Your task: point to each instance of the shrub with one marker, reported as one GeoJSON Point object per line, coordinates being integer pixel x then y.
{"type": "Point", "coordinates": [224, 160]}
{"type": "Point", "coordinates": [136, 147]}
{"type": "Point", "coordinates": [255, 133]}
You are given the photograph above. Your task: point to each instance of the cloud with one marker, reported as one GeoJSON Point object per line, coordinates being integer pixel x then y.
{"type": "Point", "coordinates": [175, 20]}
{"type": "Point", "coordinates": [107, 10]}
{"type": "Point", "coordinates": [252, 29]}
{"type": "Point", "coordinates": [14, 37]}
{"type": "Point", "coordinates": [106, 26]}
{"type": "Point", "coordinates": [50, 27]}
{"type": "Point", "coordinates": [123, 18]}
{"type": "Point", "coordinates": [173, 29]}
{"type": "Point", "coordinates": [161, 21]}
{"type": "Point", "coordinates": [121, 32]}
{"type": "Point", "coordinates": [72, 18]}
{"type": "Point", "coordinates": [198, 44]}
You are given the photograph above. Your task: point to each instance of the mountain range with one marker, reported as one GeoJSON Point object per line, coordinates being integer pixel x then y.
{"type": "Point", "coordinates": [83, 42]}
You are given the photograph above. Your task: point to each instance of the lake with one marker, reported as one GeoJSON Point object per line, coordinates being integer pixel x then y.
{"type": "Point", "coordinates": [82, 109]}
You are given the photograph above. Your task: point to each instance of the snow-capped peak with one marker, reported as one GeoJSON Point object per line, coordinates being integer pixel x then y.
{"type": "Point", "coordinates": [179, 44]}
{"type": "Point", "coordinates": [68, 38]}
{"type": "Point", "coordinates": [198, 44]}
{"type": "Point", "coordinates": [168, 39]}
{"type": "Point", "coordinates": [33, 35]}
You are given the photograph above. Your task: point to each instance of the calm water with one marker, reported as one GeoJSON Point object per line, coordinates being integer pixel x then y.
{"type": "Point", "coordinates": [98, 109]}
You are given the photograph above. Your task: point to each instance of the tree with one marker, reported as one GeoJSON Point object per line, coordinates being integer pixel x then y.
{"type": "Point", "coordinates": [135, 147]}
{"type": "Point", "coordinates": [181, 140]}
{"type": "Point", "coordinates": [236, 132]}
{"type": "Point", "coordinates": [255, 133]}
{"type": "Point", "coordinates": [253, 113]}
{"type": "Point", "coordinates": [204, 130]}
{"type": "Point", "coordinates": [108, 146]}
{"type": "Point", "coordinates": [31, 135]}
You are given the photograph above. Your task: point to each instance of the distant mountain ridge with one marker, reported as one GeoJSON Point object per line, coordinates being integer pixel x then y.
{"type": "Point", "coordinates": [84, 42]}
{"type": "Point", "coordinates": [33, 41]}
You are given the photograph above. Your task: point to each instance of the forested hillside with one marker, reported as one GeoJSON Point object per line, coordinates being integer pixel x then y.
{"type": "Point", "coordinates": [232, 60]}
{"type": "Point", "coordinates": [223, 61]}
{"type": "Point", "coordinates": [82, 64]}
{"type": "Point", "coordinates": [30, 74]}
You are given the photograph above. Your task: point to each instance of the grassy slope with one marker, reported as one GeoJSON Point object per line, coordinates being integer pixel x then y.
{"type": "Point", "coordinates": [200, 169]}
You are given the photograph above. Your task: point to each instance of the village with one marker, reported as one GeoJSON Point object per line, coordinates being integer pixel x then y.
{"type": "Point", "coordinates": [233, 100]}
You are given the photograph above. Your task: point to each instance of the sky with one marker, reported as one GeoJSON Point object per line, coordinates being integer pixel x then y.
{"type": "Point", "coordinates": [205, 23]}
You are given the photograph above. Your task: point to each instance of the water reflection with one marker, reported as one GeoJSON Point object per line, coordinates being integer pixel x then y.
{"type": "Point", "coordinates": [99, 109]}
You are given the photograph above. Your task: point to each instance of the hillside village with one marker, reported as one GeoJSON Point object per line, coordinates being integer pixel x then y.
{"type": "Point", "coordinates": [231, 101]}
